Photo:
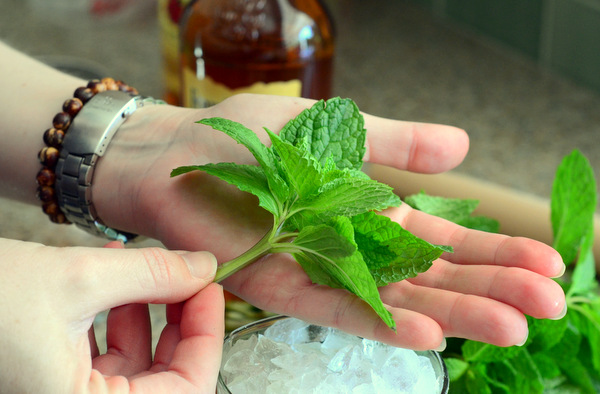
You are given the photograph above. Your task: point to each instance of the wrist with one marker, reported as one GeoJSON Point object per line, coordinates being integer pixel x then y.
{"type": "Point", "coordinates": [133, 168]}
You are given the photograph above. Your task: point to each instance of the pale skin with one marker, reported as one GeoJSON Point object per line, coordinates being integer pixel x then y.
{"type": "Point", "coordinates": [481, 292]}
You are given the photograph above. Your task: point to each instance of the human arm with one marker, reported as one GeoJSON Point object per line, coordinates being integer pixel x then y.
{"type": "Point", "coordinates": [132, 191]}
{"type": "Point", "coordinates": [50, 297]}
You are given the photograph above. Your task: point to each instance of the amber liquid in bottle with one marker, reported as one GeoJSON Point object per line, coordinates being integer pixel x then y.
{"type": "Point", "coordinates": [283, 47]}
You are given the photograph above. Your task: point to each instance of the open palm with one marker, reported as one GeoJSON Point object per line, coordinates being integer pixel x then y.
{"type": "Point", "coordinates": [481, 291]}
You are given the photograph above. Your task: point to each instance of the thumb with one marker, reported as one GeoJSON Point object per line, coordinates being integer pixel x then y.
{"type": "Point", "coordinates": [113, 276]}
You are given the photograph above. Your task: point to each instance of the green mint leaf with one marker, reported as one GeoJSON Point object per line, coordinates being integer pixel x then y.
{"type": "Point", "coordinates": [350, 272]}
{"type": "Point", "coordinates": [586, 318]}
{"type": "Point", "coordinates": [546, 366]}
{"type": "Point", "coordinates": [333, 129]}
{"type": "Point", "coordinates": [261, 153]}
{"type": "Point", "coordinates": [456, 368]}
{"type": "Point", "coordinates": [478, 351]}
{"type": "Point", "coordinates": [529, 379]}
{"type": "Point", "coordinates": [573, 204]}
{"type": "Point", "coordinates": [349, 197]}
{"type": "Point", "coordinates": [452, 209]}
{"type": "Point", "coordinates": [392, 253]}
{"type": "Point", "coordinates": [476, 381]}
{"type": "Point", "coordinates": [324, 239]}
{"type": "Point", "coordinates": [302, 171]}
{"type": "Point", "coordinates": [583, 279]}
{"type": "Point", "coordinates": [481, 223]}
{"type": "Point", "coordinates": [456, 210]}
{"type": "Point", "coordinates": [545, 333]}
{"type": "Point", "coordinates": [247, 178]}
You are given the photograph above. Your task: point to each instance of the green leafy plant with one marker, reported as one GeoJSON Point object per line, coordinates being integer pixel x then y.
{"type": "Point", "coordinates": [560, 356]}
{"type": "Point", "coordinates": [323, 206]}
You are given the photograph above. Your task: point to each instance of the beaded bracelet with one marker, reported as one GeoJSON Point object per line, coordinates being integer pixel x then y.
{"type": "Point", "coordinates": [53, 139]}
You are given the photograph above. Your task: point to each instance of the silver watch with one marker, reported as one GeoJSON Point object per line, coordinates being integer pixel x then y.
{"type": "Point", "coordinates": [89, 135]}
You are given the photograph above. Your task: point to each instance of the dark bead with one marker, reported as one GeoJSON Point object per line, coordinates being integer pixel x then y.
{"type": "Point", "coordinates": [110, 84]}
{"type": "Point", "coordinates": [49, 156]}
{"type": "Point", "coordinates": [59, 218]}
{"type": "Point", "coordinates": [62, 121]}
{"type": "Point", "coordinates": [123, 87]}
{"type": "Point", "coordinates": [54, 137]}
{"type": "Point", "coordinates": [51, 208]}
{"type": "Point", "coordinates": [72, 106]}
{"type": "Point", "coordinates": [45, 177]}
{"type": "Point", "coordinates": [45, 193]}
{"type": "Point", "coordinates": [83, 94]}
{"type": "Point", "coordinates": [96, 86]}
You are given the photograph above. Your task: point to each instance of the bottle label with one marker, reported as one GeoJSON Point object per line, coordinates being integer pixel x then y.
{"type": "Point", "coordinates": [199, 93]}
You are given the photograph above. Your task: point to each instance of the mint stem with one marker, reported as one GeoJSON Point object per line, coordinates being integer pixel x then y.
{"type": "Point", "coordinates": [260, 249]}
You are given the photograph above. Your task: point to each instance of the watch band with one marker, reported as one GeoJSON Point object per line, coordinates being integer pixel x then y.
{"type": "Point", "coordinates": [87, 140]}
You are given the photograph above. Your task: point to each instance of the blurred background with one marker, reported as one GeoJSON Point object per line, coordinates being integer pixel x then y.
{"type": "Point", "coordinates": [522, 78]}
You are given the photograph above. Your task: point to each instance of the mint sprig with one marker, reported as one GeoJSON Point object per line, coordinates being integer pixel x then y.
{"type": "Point", "coordinates": [323, 205]}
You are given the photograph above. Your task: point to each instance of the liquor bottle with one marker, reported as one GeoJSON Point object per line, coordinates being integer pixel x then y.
{"type": "Point", "coordinates": [169, 15]}
{"type": "Point", "coordinates": [282, 47]}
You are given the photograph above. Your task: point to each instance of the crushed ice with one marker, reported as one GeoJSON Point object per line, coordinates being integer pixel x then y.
{"type": "Point", "coordinates": [295, 357]}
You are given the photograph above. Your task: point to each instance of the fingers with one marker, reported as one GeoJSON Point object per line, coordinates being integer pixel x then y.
{"type": "Point", "coordinates": [195, 359]}
{"type": "Point", "coordinates": [261, 284]}
{"type": "Point", "coordinates": [478, 247]}
{"type": "Point", "coordinates": [461, 315]}
{"type": "Point", "coordinates": [526, 291]}
{"type": "Point", "coordinates": [128, 340]}
{"type": "Point", "coordinates": [105, 278]}
{"type": "Point", "coordinates": [417, 147]}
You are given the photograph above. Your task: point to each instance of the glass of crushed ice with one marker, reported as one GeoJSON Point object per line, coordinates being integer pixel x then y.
{"type": "Point", "coordinates": [281, 354]}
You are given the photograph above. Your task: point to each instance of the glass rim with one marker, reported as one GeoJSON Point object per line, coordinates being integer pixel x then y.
{"type": "Point", "coordinates": [267, 321]}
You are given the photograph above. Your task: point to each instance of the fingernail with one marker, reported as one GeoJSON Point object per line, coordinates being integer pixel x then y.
{"type": "Point", "coordinates": [442, 346]}
{"type": "Point", "coordinates": [562, 313]}
{"type": "Point", "coordinates": [562, 272]}
{"type": "Point", "coordinates": [524, 340]}
{"type": "Point", "coordinates": [201, 264]}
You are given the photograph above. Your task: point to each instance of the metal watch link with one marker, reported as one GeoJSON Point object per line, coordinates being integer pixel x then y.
{"type": "Point", "coordinates": [87, 140]}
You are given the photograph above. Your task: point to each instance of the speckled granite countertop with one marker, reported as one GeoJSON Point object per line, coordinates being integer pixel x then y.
{"type": "Point", "coordinates": [393, 59]}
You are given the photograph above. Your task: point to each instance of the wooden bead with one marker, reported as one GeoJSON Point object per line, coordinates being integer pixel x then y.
{"type": "Point", "coordinates": [46, 177]}
{"type": "Point", "coordinates": [49, 156]}
{"type": "Point", "coordinates": [54, 137]}
{"type": "Point", "coordinates": [45, 193]}
{"type": "Point", "coordinates": [62, 121]}
{"type": "Point", "coordinates": [83, 94]}
{"type": "Point", "coordinates": [72, 106]}
{"type": "Point", "coordinates": [59, 218]}
{"type": "Point", "coordinates": [96, 86]}
{"type": "Point", "coordinates": [110, 84]}
{"type": "Point", "coordinates": [51, 208]}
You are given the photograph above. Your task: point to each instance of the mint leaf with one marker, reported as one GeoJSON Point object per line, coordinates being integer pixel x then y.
{"type": "Point", "coordinates": [484, 352]}
{"type": "Point", "coordinates": [350, 273]}
{"type": "Point", "coordinates": [247, 178]}
{"type": "Point", "coordinates": [456, 210]}
{"type": "Point", "coordinates": [573, 204]}
{"type": "Point", "coordinates": [324, 239]}
{"type": "Point", "coordinates": [302, 171]}
{"type": "Point", "coordinates": [333, 129]}
{"type": "Point", "coordinates": [391, 253]}
{"type": "Point", "coordinates": [349, 197]}
{"type": "Point", "coordinates": [452, 209]}
{"type": "Point", "coordinates": [261, 153]}
{"type": "Point", "coordinates": [544, 333]}
{"type": "Point", "coordinates": [456, 368]}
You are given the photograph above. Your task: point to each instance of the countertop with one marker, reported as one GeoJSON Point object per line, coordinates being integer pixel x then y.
{"type": "Point", "coordinates": [393, 58]}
